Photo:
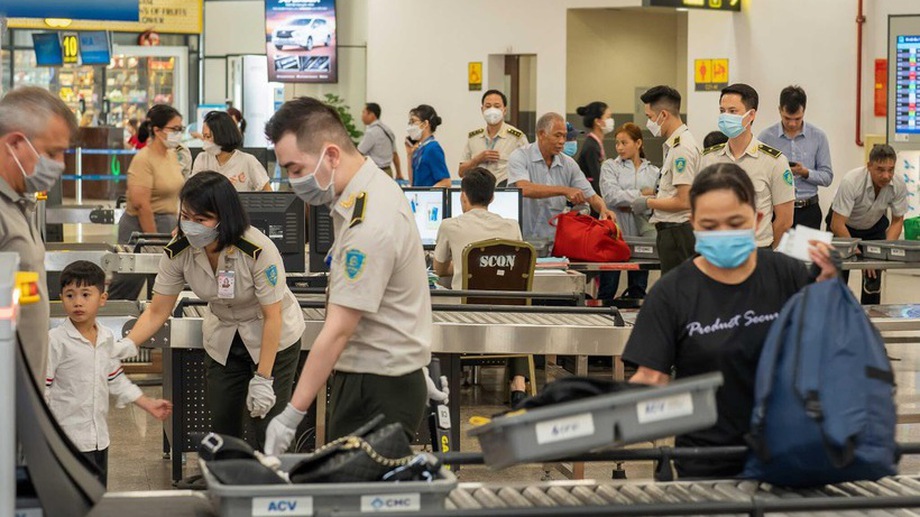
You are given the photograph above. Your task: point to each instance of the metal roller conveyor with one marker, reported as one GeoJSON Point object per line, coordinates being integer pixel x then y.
{"type": "Point", "coordinates": [112, 259]}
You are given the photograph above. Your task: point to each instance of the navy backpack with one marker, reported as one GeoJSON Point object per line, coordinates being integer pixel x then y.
{"type": "Point", "coordinates": [824, 408]}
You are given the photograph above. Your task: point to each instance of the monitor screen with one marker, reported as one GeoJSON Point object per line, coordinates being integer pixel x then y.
{"type": "Point", "coordinates": [301, 41]}
{"type": "Point", "coordinates": [908, 68]}
{"type": "Point", "coordinates": [95, 48]}
{"type": "Point", "coordinates": [281, 217]}
{"type": "Point", "coordinates": [48, 51]}
{"type": "Point", "coordinates": [428, 207]}
{"type": "Point", "coordinates": [507, 203]}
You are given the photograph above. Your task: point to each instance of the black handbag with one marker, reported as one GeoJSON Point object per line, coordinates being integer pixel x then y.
{"type": "Point", "coordinates": [223, 447]}
{"type": "Point", "coordinates": [365, 455]}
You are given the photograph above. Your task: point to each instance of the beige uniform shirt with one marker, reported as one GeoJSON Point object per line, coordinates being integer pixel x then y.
{"type": "Point", "coordinates": [19, 234]}
{"type": "Point", "coordinates": [378, 267]}
{"type": "Point", "coordinates": [456, 233]}
{"type": "Point", "coordinates": [506, 141]}
{"type": "Point", "coordinates": [681, 163]}
{"type": "Point", "coordinates": [769, 170]}
{"type": "Point", "coordinates": [258, 278]}
{"type": "Point", "coordinates": [242, 169]}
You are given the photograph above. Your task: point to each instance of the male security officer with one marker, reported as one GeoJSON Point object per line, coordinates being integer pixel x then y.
{"type": "Point", "coordinates": [767, 167]}
{"type": "Point", "coordinates": [35, 130]}
{"type": "Point", "coordinates": [491, 146]}
{"type": "Point", "coordinates": [377, 332]}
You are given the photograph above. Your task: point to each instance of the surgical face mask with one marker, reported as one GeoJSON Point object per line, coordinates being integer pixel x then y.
{"type": "Point", "coordinates": [211, 148]}
{"type": "Point", "coordinates": [493, 116]}
{"type": "Point", "coordinates": [653, 126]}
{"type": "Point", "coordinates": [414, 131]}
{"type": "Point", "coordinates": [732, 125]}
{"type": "Point", "coordinates": [570, 148]}
{"type": "Point", "coordinates": [727, 249]}
{"type": "Point", "coordinates": [44, 175]}
{"type": "Point", "coordinates": [307, 187]}
{"type": "Point", "coordinates": [172, 139]}
{"type": "Point", "coordinates": [198, 235]}
{"type": "Point", "coordinates": [609, 124]}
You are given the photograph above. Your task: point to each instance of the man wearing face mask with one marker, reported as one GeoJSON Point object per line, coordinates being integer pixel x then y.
{"type": "Point", "coordinates": [491, 146]}
{"type": "Point", "coordinates": [377, 332]}
{"type": "Point", "coordinates": [671, 204]}
{"type": "Point", "coordinates": [35, 130]}
{"type": "Point", "coordinates": [768, 167]}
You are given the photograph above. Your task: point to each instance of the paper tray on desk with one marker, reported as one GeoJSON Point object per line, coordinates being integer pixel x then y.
{"type": "Point", "coordinates": [309, 499]}
{"type": "Point", "coordinates": [554, 432]}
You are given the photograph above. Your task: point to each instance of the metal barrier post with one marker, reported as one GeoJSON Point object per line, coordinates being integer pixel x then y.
{"type": "Point", "coordinates": [79, 173]}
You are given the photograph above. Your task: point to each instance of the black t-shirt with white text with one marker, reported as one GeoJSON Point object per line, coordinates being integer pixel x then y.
{"type": "Point", "coordinates": [696, 325]}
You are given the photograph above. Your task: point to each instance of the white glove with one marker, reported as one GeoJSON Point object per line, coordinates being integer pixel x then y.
{"type": "Point", "coordinates": [439, 396]}
{"type": "Point", "coordinates": [261, 397]}
{"type": "Point", "coordinates": [124, 348]}
{"type": "Point", "coordinates": [281, 430]}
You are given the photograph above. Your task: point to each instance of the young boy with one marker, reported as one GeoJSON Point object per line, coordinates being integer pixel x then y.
{"type": "Point", "coordinates": [82, 372]}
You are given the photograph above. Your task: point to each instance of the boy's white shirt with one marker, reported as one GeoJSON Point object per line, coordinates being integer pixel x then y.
{"type": "Point", "coordinates": [79, 379]}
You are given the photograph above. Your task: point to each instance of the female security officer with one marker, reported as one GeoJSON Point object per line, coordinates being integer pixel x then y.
{"type": "Point", "coordinates": [253, 330]}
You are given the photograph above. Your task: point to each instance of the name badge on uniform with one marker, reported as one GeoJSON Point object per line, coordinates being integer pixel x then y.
{"type": "Point", "coordinates": [225, 284]}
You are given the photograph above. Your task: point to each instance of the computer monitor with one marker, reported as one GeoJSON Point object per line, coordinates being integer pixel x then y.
{"type": "Point", "coordinates": [281, 217]}
{"type": "Point", "coordinates": [429, 206]}
{"type": "Point", "coordinates": [95, 48]}
{"type": "Point", "coordinates": [506, 203]}
{"type": "Point", "coordinates": [322, 235]}
{"type": "Point", "coordinates": [48, 50]}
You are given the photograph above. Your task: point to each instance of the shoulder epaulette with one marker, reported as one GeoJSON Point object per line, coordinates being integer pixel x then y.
{"type": "Point", "coordinates": [476, 132]}
{"type": "Point", "coordinates": [514, 132]}
{"type": "Point", "coordinates": [713, 149]}
{"type": "Point", "coordinates": [176, 246]}
{"type": "Point", "coordinates": [249, 249]}
{"type": "Point", "coordinates": [357, 216]}
{"type": "Point", "coordinates": [776, 153]}
{"type": "Point", "coordinates": [676, 142]}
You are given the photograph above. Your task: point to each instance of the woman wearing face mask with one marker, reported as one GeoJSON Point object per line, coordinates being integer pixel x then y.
{"type": "Point", "coordinates": [598, 121]}
{"type": "Point", "coordinates": [427, 166]}
{"type": "Point", "coordinates": [623, 179]}
{"type": "Point", "coordinates": [154, 181]}
{"type": "Point", "coordinates": [253, 328]}
{"type": "Point", "coordinates": [715, 312]}
{"type": "Point", "coordinates": [221, 153]}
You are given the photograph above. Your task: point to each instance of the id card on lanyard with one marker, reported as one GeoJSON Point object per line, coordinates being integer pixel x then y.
{"type": "Point", "coordinates": [226, 280]}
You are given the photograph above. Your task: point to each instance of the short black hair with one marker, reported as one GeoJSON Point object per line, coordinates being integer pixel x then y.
{"type": "Point", "coordinates": [724, 176]}
{"type": "Point", "coordinates": [714, 138]}
{"type": "Point", "coordinates": [312, 121]}
{"type": "Point", "coordinates": [373, 107]}
{"type": "Point", "coordinates": [494, 92]}
{"type": "Point", "coordinates": [426, 113]}
{"type": "Point", "coordinates": [748, 94]}
{"type": "Point", "coordinates": [662, 97]}
{"type": "Point", "coordinates": [83, 273]}
{"type": "Point", "coordinates": [157, 117]}
{"type": "Point", "coordinates": [591, 112]}
{"type": "Point", "coordinates": [479, 186]}
{"type": "Point", "coordinates": [882, 153]}
{"type": "Point", "coordinates": [792, 98]}
{"type": "Point", "coordinates": [210, 192]}
{"type": "Point", "coordinates": [224, 131]}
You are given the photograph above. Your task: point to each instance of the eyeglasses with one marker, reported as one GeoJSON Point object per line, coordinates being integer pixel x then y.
{"type": "Point", "coordinates": [177, 129]}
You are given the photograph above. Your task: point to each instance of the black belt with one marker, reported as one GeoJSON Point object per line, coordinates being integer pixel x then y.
{"type": "Point", "coordinates": [805, 203]}
{"type": "Point", "coordinates": [665, 226]}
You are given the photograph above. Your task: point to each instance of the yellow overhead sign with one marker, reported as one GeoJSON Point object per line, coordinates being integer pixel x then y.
{"type": "Point", "coordinates": [710, 74]}
{"type": "Point", "coordinates": [474, 73]}
{"type": "Point", "coordinates": [166, 16]}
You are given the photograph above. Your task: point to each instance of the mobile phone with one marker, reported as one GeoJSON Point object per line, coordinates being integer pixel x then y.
{"type": "Point", "coordinates": [411, 141]}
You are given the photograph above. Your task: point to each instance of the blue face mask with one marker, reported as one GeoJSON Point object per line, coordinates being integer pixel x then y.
{"type": "Point", "coordinates": [727, 249]}
{"type": "Point", "coordinates": [732, 125]}
{"type": "Point", "coordinates": [571, 147]}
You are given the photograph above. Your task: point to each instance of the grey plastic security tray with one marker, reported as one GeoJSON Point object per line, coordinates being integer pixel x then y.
{"type": "Point", "coordinates": [903, 251]}
{"type": "Point", "coordinates": [314, 499]}
{"type": "Point", "coordinates": [642, 247]}
{"type": "Point", "coordinates": [554, 432]}
{"type": "Point", "coordinates": [846, 247]}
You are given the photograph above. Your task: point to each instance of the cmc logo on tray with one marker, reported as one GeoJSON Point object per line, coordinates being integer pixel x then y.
{"type": "Point", "coordinates": [391, 503]}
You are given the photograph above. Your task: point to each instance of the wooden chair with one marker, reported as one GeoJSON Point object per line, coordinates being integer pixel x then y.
{"type": "Point", "coordinates": [499, 265]}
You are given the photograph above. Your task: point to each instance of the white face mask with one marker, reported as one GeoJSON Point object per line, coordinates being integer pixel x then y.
{"type": "Point", "coordinates": [415, 132]}
{"type": "Point", "coordinates": [653, 127]}
{"type": "Point", "coordinates": [44, 175]}
{"type": "Point", "coordinates": [493, 116]}
{"type": "Point", "coordinates": [172, 139]}
{"type": "Point", "coordinates": [309, 190]}
{"type": "Point", "coordinates": [609, 125]}
{"type": "Point", "coordinates": [198, 235]}
{"type": "Point", "coordinates": [211, 148]}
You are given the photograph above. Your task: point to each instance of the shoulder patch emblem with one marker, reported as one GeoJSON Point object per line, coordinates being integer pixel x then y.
{"type": "Point", "coordinates": [271, 274]}
{"type": "Point", "coordinates": [787, 177]}
{"type": "Point", "coordinates": [355, 261]}
{"type": "Point", "coordinates": [477, 132]}
{"type": "Point", "coordinates": [713, 149]}
{"type": "Point", "coordinates": [680, 164]}
{"type": "Point", "coordinates": [776, 153]}
{"type": "Point", "coordinates": [514, 132]}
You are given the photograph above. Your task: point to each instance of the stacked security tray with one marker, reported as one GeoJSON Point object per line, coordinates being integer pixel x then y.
{"type": "Point", "coordinates": [903, 251]}
{"type": "Point", "coordinates": [642, 247]}
{"type": "Point", "coordinates": [326, 498]}
{"type": "Point", "coordinates": [846, 247]}
{"type": "Point", "coordinates": [637, 415]}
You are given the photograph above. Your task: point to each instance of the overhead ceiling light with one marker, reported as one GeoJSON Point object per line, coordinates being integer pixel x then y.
{"type": "Point", "coordinates": [58, 23]}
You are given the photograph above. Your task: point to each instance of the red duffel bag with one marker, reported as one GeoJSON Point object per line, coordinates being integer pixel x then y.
{"type": "Point", "coordinates": [582, 238]}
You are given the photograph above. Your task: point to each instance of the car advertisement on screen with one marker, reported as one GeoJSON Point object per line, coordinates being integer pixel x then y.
{"type": "Point", "coordinates": [300, 41]}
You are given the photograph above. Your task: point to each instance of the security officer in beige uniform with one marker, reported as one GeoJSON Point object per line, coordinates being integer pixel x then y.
{"type": "Point", "coordinates": [377, 333]}
{"type": "Point", "coordinates": [254, 325]}
{"type": "Point", "coordinates": [35, 130]}
{"type": "Point", "coordinates": [490, 147]}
